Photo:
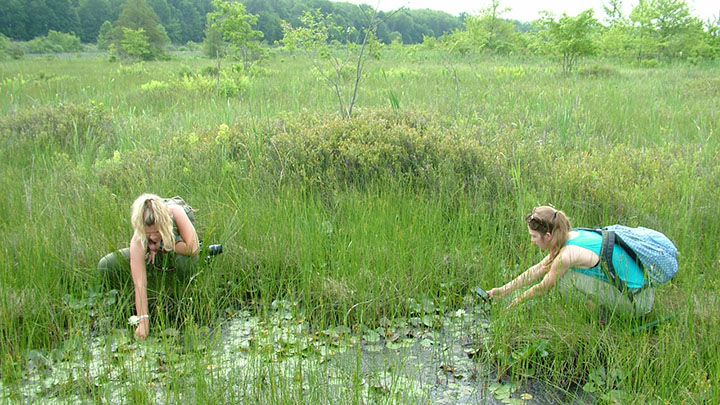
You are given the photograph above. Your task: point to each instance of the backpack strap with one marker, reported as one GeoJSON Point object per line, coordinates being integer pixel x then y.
{"type": "Point", "coordinates": [630, 252]}
{"type": "Point", "coordinates": [609, 239]}
{"type": "Point", "coordinates": [606, 255]}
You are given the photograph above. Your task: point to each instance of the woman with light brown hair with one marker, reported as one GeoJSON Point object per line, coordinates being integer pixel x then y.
{"type": "Point", "coordinates": [573, 264]}
{"type": "Point", "coordinates": [164, 239]}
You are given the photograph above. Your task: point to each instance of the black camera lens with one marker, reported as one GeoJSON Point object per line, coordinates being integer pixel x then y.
{"type": "Point", "coordinates": [215, 249]}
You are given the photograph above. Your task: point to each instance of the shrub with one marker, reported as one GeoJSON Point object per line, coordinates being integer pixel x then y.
{"type": "Point", "coordinates": [67, 127]}
{"type": "Point", "coordinates": [376, 144]}
{"type": "Point", "coordinates": [54, 42]}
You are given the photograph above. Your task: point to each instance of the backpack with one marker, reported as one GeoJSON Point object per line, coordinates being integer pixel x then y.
{"type": "Point", "coordinates": [654, 252]}
{"type": "Point", "coordinates": [185, 206]}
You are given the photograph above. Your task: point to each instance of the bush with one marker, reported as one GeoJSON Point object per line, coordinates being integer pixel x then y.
{"type": "Point", "coordinates": [55, 42]}
{"type": "Point", "coordinates": [63, 127]}
{"type": "Point", "coordinates": [375, 144]}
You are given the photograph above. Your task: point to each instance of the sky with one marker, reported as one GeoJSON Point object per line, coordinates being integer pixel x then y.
{"type": "Point", "coordinates": [528, 10]}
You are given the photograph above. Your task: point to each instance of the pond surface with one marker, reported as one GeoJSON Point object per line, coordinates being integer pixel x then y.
{"type": "Point", "coordinates": [433, 358]}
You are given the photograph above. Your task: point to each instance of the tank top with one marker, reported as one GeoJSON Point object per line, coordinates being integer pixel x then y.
{"type": "Point", "coordinates": [625, 266]}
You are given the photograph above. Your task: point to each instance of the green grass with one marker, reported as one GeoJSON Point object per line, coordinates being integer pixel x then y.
{"type": "Point", "coordinates": [354, 222]}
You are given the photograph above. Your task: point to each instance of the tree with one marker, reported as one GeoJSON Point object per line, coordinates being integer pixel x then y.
{"type": "Point", "coordinates": [660, 26]}
{"type": "Point", "coordinates": [213, 45]}
{"type": "Point", "coordinates": [92, 14]}
{"type": "Point", "coordinates": [569, 37]}
{"type": "Point", "coordinates": [136, 15]}
{"type": "Point", "coordinates": [104, 38]}
{"type": "Point", "coordinates": [236, 27]}
{"type": "Point", "coordinates": [485, 31]}
{"type": "Point", "coordinates": [314, 36]}
{"type": "Point", "coordinates": [613, 10]}
{"type": "Point", "coordinates": [135, 43]}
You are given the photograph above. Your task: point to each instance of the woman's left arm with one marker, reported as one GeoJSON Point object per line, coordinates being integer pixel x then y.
{"type": "Point", "coordinates": [189, 246]}
{"type": "Point", "coordinates": [560, 265]}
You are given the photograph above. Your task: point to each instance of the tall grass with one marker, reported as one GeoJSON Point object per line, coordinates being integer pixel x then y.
{"type": "Point", "coordinates": [357, 220]}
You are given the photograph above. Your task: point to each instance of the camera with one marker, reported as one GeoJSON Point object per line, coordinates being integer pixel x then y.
{"type": "Point", "coordinates": [214, 250]}
{"type": "Point", "coordinates": [482, 293]}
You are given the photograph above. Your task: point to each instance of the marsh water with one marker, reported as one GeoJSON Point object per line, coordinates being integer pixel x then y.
{"type": "Point", "coordinates": [431, 358]}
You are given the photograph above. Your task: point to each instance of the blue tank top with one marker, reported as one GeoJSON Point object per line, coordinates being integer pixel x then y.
{"type": "Point", "coordinates": [625, 266]}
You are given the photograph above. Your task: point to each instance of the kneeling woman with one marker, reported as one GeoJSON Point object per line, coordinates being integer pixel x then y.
{"type": "Point", "coordinates": [164, 238]}
{"type": "Point", "coordinates": [573, 263]}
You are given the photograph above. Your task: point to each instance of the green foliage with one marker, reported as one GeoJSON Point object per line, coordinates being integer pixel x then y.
{"type": "Point", "coordinates": [135, 44]}
{"type": "Point", "coordinates": [569, 38]}
{"type": "Point", "coordinates": [610, 385]}
{"type": "Point", "coordinates": [213, 46]}
{"type": "Point", "coordinates": [485, 32]}
{"type": "Point", "coordinates": [661, 28]}
{"type": "Point", "coordinates": [67, 128]}
{"type": "Point", "coordinates": [408, 208]}
{"type": "Point", "coordinates": [92, 14]}
{"type": "Point", "coordinates": [228, 84]}
{"type": "Point", "coordinates": [368, 147]}
{"type": "Point", "coordinates": [147, 38]}
{"type": "Point", "coordinates": [4, 45]}
{"type": "Point", "coordinates": [104, 38]}
{"type": "Point", "coordinates": [55, 42]}
{"type": "Point", "coordinates": [616, 42]}
{"type": "Point", "coordinates": [236, 26]}
{"type": "Point", "coordinates": [320, 37]}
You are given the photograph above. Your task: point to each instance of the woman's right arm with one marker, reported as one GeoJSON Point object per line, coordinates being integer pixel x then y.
{"type": "Point", "coordinates": [139, 277]}
{"type": "Point", "coordinates": [529, 276]}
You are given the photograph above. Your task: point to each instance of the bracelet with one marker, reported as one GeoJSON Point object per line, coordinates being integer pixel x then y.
{"type": "Point", "coordinates": [143, 317]}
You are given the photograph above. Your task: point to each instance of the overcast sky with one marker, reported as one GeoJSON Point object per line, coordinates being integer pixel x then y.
{"type": "Point", "coordinates": [528, 10]}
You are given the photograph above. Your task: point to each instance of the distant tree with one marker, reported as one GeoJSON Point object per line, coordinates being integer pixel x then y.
{"type": "Point", "coordinates": [615, 41]}
{"type": "Point", "coordinates": [659, 27]}
{"type": "Point", "coordinates": [346, 63]}
{"type": "Point", "coordinates": [13, 20]}
{"type": "Point", "coordinates": [569, 38]}
{"type": "Point", "coordinates": [237, 27]}
{"type": "Point", "coordinates": [137, 15]}
{"type": "Point", "coordinates": [485, 32]}
{"type": "Point", "coordinates": [614, 12]}
{"type": "Point", "coordinates": [4, 45]}
{"type": "Point", "coordinates": [62, 17]}
{"type": "Point", "coordinates": [271, 26]}
{"type": "Point", "coordinates": [105, 36]}
{"type": "Point", "coordinates": [214, 46]}
{"type": "Point", "coordinates": [135, 43]}
{"type": "Point", "coordinates": [8, 49]}
{"type": "Point", "coordinates": [92, 14]}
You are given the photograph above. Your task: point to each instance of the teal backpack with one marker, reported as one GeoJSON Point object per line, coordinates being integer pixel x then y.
{"type": "Point", "coordinates": [654, 252]}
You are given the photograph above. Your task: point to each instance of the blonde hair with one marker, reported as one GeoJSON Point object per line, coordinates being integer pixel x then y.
{"type": "Point", "coordinates": [149, 210]}
{"type": "Point", "coordinates": [547, 219]}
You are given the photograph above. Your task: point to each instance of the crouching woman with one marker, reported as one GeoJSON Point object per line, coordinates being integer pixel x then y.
{"type": "Point", "coordinates": [164, 239]}
{"type": "Point", "coordinates": [573, 264]}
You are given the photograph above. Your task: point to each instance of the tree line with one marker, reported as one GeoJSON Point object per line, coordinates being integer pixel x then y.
{"type": "Point", "coordinates": [185, 20]}
{"type": "Point", "coordinates": [655, 30]}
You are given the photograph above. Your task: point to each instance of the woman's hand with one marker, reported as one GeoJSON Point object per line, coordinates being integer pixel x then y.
{"type": "Point", "coordinates": [143, 328]}
{"type": "Point", "coordinates": [497, 293]}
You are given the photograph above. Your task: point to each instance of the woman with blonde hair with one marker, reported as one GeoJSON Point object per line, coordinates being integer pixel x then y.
{"type": "Point", "coordinates": [573, 263]}
{"type": "Point", "coordinates": [164, 239]}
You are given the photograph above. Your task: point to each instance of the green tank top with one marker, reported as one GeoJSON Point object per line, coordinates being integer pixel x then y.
{"type": "Point", "coordinates": [188, 210]}
{"type": "Point", "coordinates": [625, 266]}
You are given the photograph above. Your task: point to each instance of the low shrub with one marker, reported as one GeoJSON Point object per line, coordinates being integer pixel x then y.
{"type": "Point", "coordinates": [58, 128]}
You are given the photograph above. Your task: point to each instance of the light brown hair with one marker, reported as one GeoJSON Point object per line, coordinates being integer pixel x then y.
{"type": "Point", "coordinates": [546, 219]}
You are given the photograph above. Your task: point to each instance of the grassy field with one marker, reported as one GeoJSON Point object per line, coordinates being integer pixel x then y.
{"type": "Point", "coordinates": [349, 225]}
